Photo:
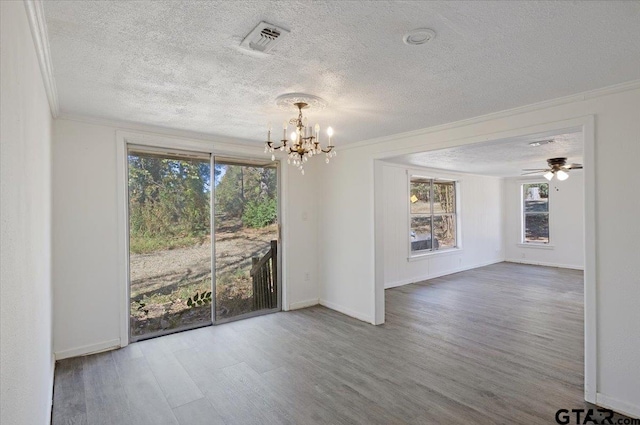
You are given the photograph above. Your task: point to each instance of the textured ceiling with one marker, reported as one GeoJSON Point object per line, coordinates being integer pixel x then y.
{"type": "Point", "coordinates": [179, 65]}
{"type": "Point", "coordinates": [500, 158]}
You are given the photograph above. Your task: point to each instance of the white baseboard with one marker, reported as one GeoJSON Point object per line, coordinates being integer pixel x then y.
{"type": "Point", "coordinates": [344, 310]}
{"type": "Point", "coordinates": [304, 304]}
{"type": "Point", "coordinates": [433, 276]}
{"type": "Point", "coordinates": [543, 263]}
{"type": "Point", "coordinates": [622, 407]}
{"type": "Point", "coordinates": [88, 349]}
{"type": "Point", "coordinates": [400, 283]}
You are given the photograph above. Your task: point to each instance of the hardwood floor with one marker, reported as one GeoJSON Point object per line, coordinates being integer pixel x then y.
{"type": "Point", "coordinates": [502, 344]}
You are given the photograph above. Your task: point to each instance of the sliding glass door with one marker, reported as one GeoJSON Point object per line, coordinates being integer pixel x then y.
{"type": "Point", "coordinates": [171, 262]}
{"type": "Point", "coordinates": [169, 241]}
{"type": "Point", "coordinates": [246, 238]}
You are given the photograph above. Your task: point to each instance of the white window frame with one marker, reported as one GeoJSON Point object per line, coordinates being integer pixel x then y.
{"type": "Point", "coordinates": [523, 214]}
{"type": "Point", "coordinates": [413, 255]}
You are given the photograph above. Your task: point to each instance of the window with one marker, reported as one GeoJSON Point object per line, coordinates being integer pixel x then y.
{"type": "Point", "coordinates": [535, 209]}
{"type": "Point", "coordinates": [432, 210]}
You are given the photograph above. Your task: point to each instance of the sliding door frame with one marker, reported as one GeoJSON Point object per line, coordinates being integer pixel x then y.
{"type": "Point", "coordinates": [239, 151]}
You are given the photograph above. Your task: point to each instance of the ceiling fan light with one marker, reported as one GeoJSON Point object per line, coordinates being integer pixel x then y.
{"type": "Point", "coordinates": [562, 175]}
{"type": "Point", "coordinates": [549, 175]}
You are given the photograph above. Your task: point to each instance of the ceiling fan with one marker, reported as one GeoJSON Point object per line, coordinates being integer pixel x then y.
{"type": "Point", "coordinates": [557, 167]}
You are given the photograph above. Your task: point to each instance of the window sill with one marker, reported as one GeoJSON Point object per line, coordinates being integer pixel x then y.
{"type": "Point", "coordinates": [425, 255]}
{"type": "Point", "coordinates": [536, 245]}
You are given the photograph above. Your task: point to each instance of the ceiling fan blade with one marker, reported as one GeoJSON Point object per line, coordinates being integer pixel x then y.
{"type": "Point", "coordinates": [532, 172]}
{"type": "Point", "coordinates": [534, 169]}
{"type": "Point", "coordinates": [573, 166]}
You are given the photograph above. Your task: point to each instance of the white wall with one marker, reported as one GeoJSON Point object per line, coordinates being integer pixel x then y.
{"type": "Point", "coordinates": [346, 237]}
{"type": "Point", "coordinates": [347, 240]}
{"type": "Point", "coordinates": [566, 224]}
{"type": "Point", "coordinates": [300, 232]}
{"type": "Point", "coordinates": [86, 295]}
{"type": "Point", "coordinates": [26, 361]}
{"type": "Point", "coordinates": [88, 287]}
{"type": "Point", "coordinates": [480, 231]}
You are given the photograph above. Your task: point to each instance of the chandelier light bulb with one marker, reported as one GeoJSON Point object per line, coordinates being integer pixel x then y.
{"type": "Point", "coordinates": [329, 131]}
{"type": "Point", "coordinates": [548, 175]}
{"type": "Point", "coordinates": [562, 175]}
{"type": "Point", "coordinates": [294, 136]}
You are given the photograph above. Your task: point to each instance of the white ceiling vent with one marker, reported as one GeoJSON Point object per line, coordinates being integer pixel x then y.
{"type": "Point", "coordinates": [264, 37]}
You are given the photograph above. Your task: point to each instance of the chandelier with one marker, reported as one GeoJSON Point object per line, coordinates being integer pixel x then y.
{"type": "Point", "coordinates": [305, 140]}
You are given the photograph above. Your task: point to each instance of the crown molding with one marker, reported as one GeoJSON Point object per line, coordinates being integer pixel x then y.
{"type": "Point", "coordinates": [38, 25]}
{"type": "Point", "coordinates": [579, 97]}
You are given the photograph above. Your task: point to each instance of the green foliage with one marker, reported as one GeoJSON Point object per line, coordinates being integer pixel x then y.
{"type": "Point", "coordinates": [241, 185]}
{"type": "Point", "coordinates": [199, 299]}
{"type": "Point", "coordinates": [229, 193]}
{"type": "Point", "coordinates": [168, 200]}
{"type": "Point", "coordinates": [260, 213]}
{"type": "Point", "coordinates": [141, 244]}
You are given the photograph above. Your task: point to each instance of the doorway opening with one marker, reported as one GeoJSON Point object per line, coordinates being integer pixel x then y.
{"type": "Point", "coordinates": [582, 198]}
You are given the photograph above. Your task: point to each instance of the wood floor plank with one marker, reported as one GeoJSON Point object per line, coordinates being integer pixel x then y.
{"type": "Point", "coordinates": [501, 344]}
{"type": "Point", "coordinates": [69, 394]}
{"type": "Point", "coordinates": [173, 379]}
{"type": "Point", "coordinates": [229, 400]}
{"type": "Point", "coordinates": [148, 405]}
{"type": "Point", "coordinates": [106, 400]}
{"type": "Point", "coordinates": [198, 412]}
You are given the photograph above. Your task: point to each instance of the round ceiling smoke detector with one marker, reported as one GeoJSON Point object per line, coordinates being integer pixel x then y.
{"type": "Point", "coordinates": [419, 36]}
{"type": "Point", "coordinates": [288, 101]}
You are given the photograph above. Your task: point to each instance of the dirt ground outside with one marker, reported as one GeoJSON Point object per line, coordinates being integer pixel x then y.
{"type": "Point", "coordinates": [163, 281]}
